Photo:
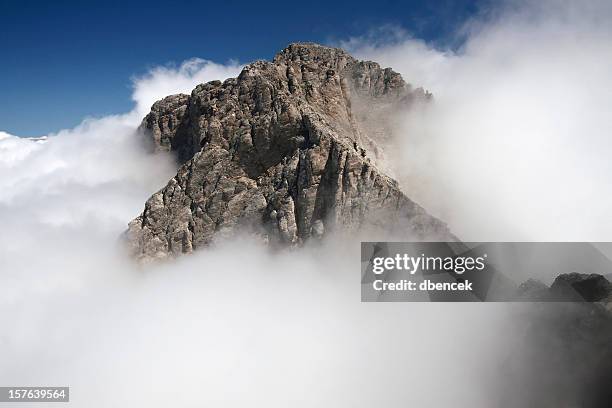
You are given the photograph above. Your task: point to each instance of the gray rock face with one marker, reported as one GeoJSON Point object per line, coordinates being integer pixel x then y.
{"type": "Point", "coordinates": [163, 121]}
{"type": "Point", "coordinates": [567, 287]}
{"type": "Point", "coordinates": [582, 287]}
{"type": "Point", "coordinates": [289, 150]}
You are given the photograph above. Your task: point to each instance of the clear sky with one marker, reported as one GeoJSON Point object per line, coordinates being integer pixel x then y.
{"type": "Point", "coordinates": [65, 60]}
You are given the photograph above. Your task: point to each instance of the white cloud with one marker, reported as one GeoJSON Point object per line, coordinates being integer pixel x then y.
{"type": "Point", "coordinates": [81, 186]}
{"type": "Point", "coordinates": [234, 325]}
{"type": "Point", "coordinates": [100, 152]}
{"type": "Point", "coordinates": [516, 144]}
{"type": "Point", "coordinates": [14, 150]}
{"type": "Point", "coordinates": [164, 81]}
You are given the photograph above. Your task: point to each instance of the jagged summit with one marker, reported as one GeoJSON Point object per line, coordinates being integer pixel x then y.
{"type": "Point", "coordinates": [308, 69]}
{"type": "Point", "coordinates": [311, 50]}
{"type": "Point", "coordinates": [375, 81]}
{"type": "Point", "coordinates": [289, 150]}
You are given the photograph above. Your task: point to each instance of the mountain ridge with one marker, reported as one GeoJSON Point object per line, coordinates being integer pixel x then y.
{"type": "Point", "coordinates": [289, 150]}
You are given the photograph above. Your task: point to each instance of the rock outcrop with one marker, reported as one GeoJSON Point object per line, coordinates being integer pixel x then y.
{"type": "Point", "coordinates": [289, 150]}
{"type": "Point", "coordinates": [567, 287]}
{"type": "Point", "coordinates": [582, 288]}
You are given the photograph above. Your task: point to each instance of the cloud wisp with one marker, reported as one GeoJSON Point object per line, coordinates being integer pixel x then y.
{"type": "Point", "coordinates": [516, 143]}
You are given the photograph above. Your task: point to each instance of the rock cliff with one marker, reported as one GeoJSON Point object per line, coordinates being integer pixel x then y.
{"type": "Point", "coordinates": [289, 150]}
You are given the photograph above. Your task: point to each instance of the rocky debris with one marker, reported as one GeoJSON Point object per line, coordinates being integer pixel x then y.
{"type": "Point", "coordinates": [279, 151]}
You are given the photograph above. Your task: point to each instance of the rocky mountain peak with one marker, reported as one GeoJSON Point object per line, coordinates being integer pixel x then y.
{"type": "Point", "coordinates": [309, 51]}
{"type": "Point", "coordinates": [316, 63]}
{"type": "Point", "coordinates": [288, 150]}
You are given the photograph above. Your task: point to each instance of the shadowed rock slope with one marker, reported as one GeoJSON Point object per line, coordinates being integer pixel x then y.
{"type": "Point", "coordinates": [289, 150]}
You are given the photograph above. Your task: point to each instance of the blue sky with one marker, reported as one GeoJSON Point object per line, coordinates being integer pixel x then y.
{"type": "Point", "coordinates": [65, 60]}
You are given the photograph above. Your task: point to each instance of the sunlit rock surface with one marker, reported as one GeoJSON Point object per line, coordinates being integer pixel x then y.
{"type": "Point", "coordinates": [289, 150]}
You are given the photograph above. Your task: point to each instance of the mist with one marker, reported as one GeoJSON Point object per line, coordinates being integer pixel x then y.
{"type": "Point", "coordinates": [515, 145]}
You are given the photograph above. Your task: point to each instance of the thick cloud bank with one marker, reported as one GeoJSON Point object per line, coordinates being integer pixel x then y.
{"type": "Point", "coordinates": [232, 326]}
{"type": "Point", "coordinates": [516, 145]}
